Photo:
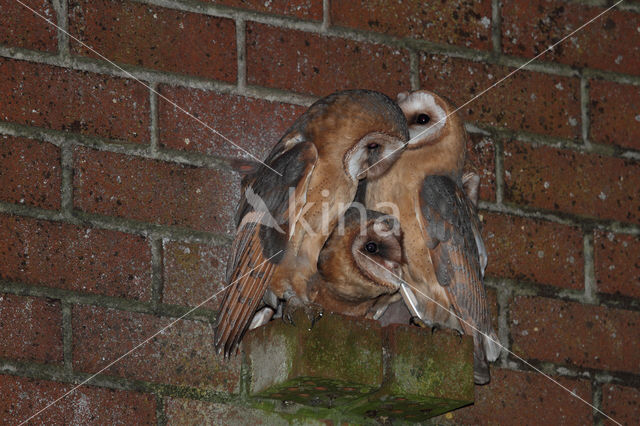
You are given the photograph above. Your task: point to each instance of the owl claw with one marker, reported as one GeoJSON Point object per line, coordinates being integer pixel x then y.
{"type": "Point", "coordinates": [312, 311]}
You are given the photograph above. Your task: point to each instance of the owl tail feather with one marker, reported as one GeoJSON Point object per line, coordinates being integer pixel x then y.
{"type": "Point", "coordinates": [481, 374]}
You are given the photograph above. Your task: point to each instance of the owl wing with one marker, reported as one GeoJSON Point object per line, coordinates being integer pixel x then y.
{"type": "Point", "coordinates": [263, 233]}
{"type": "Point", "coordinates": [454, 230]}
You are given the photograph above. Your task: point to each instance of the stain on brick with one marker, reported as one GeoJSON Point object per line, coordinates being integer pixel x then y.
{"type": "Point", "coordinates": [23, 28]}
{"type": "Point", "coordinates": [614, 113]}
{"type": "Point", "coordinates": [528, 101]}
{"type": "Point", "coordinates": [74, 101]}
{"type": "Point", "coordinates": [37, 252]}
{"type": "Point", "coordinates": [193, 273]}
{"type": "Point", "coordinates": [319, 65]}
{"type": "Point", "coordinates": [589, 185]}
{"type": "Point", "coordinates": [462, 23]}
{"type": "Point", "coordinates": [533, 250]}
{"type": "Point", "coordinates": [30, 329]}
{"type": "Point", "coordinates": [155, 37]}
{"type": "Point", "coordinates": [30, 172]}
{"type": "Point", "coordinates": [154, 191]}
{"type": "Point", "coordinates": [617, 263]}
{"type": "Point", "coordinates": [254, 125]}
{"type": "Point", "coordinates": [577, 335]}
{"type": "Point", "coordinates": [181, 355]}
{"type": "Point", "coordinates": [23, 397]}
{"type": "Point", "coordinates": [622, 403]}
{"type": "Point", "coordinates": [611, 42]}
{"type": "Point", "coordinates": [183, 411]}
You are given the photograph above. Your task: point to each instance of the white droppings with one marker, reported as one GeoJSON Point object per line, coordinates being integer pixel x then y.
{"type": "Point", "coordinates": [602, 196]}
{"type": "Point", "coordinates": [637, 117]}
{"type": "Point", "coordinates": [525, 332]}
{"type": "Point", "coordinates": [618, 59]}
{"type": "Point", "coordinates": [546, 185]}
{"type": "Point", "coordinates": [533, 96]}
{"type": "Point", "coordinates": [187, 141]}
{"type": "Point", "coordinates": [186, 250]}
{"type": "Point", "coordinates": [612, 267]}
{"type": "Point", "coordinates": [485, 22]}
{"type": "Point", "coordinates": [536, 329]}
{"type": "Point", "coordinates": [559, 86]}
{"type": "Point", "coordinates": [118, 179]}
{"type": "Point", "coordinates": [540, 254]}
{"type": "Point", "coordinates": [198, 190]}
{"type": "Point", "coordinates": [611, 236]}
{"type": "Point", "coordinates": [571, 259]}
{"type": "Point", "coordinates": [625, 244]}
{"type": "Point", "coordinates": [114, 100]}
{"type": "Point", "coordinates": [573, 122]}
{"type": "Point", "coordinates": [34, 111]}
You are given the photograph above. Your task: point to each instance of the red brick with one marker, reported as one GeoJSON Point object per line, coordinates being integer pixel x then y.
{"type": "Point", "coordinates": [183, 354]}
{"type": "Point", "coordinates": [183, 411]}
{"type": "Point", "coordinates": [574, 334]}
{"type": "Point", "coordinates": [194, 273]}
{"type": "Point", "coordinates": [155, 37]}
{"type": "Point", "coordinates": [154, 191]}
{"type": "Point", "coordinates": [515, 397]}
{"type": "Point", "coordinates": [75, 258]}
{"type": "Point", "coordinates": [303, 9]}
{"type": "Point", "coordinates": [621, 403]}
{"type": "Point", "coordinates": [466, 23]}
{"type": "Point", "coordinates": [25, 29]}
{"type": "Point", "coordinates": [611, 42]}
{"type": "Point", "coordinates": [30, 172]}
{"type": "Point", "coordinates": [614, 114]}
{"type": "Point", "coordinates": [528, 101]}
{"type": "Point", "coordinates": [30, 329]}
{"type": "Point", "coordinates": [63, 99]}
{"type": "Point", "coordinates": [254, 125]}
{"type": "Point", "coordinates": [589, 185]}
{"type": "Point", "coordinates": [534, 250]}
{"type": "Point", "coordinates": [319, 65]}
{"type": "Point", "coordinates": [617, 263]}
{"type": "Point", "coordinates": [481, 160]}
{"type": "Point", "coordinates": [23, 397]}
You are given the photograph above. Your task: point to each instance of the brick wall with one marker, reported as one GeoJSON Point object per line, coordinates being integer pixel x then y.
{"type": "Point", "coordinates": [116, 207]}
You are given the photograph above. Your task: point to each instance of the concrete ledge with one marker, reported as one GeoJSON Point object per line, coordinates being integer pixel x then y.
{"type": "Point", "coordinates": [360, 368]}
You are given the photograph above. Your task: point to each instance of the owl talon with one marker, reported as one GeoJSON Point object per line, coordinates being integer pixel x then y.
{"type": "Point", "coordinates": [312, 311]}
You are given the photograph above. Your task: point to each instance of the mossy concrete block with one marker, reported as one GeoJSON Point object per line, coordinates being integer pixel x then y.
{"type": "Point", "coordinates": [336, 361]}
{"type": "Point", "coordinates": [425, 374]}
{"type": "Point", "coordinates": [361, 368]}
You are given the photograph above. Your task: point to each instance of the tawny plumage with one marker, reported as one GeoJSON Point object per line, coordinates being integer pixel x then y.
{"type": "Point", "coordinates": [360, 262]}
{"type": "Point", "coordinates": [284, 220]}
{"type": "Point", "coordinates": [445, 255]}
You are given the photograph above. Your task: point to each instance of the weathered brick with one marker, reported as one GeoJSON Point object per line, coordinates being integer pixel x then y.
{"type": "Point", "coordinates": [23, 28]}
{"type": "Point", "coordinates": [527, 100]}
{"type": "Point", "coordinates": [184, 411]}
{"type": "Point", "coordinates": [63, 99]}
{"type": "Point", "coordinates": [183, 354]}
{"type": "Point", "coordinates": [154, 191]}
{"type": "Point", "coordinates": [510, 399]}
{"type": "Point", "coordinates": [466, 23]}
{"type": "Point", "coordinates": [611, 42]}
{"type": "Point", "coordinates": [614, 113]}
{"type": "Point", "coordinates": [319, 65]}
{"type": "Point", "coordinates": [621, 403]}
{"type": "Point", "coordinates": [533, 250]}
{"type": "Point", "coordinates": [75, 258]}
{"type": "Point", "coordinates": [617, 263]}
{"type": "Point", "coordinates": [589, 185]}
{"type": "Point", "coordinates": [30, 172]}
{"type": "Point", "coordinates": [155, 37]}
{"type": "Point", "coordinates": [193, 273]}
{"type": "Point", "coordinates": [254, 125]}
{"type": "Point", "coordinates": [481, 160]}
{"type": "Point", "coordinates": [303, 9]}
{"type": "Point", "coordinates": [30, 329]}
{"type": "Point", "coordinates": [574, 334]}
{"type": "Point", "coordinates": [23, 397]}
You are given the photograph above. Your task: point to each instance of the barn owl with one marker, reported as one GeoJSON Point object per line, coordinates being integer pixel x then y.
{"type": "Point", "coordinates": [445, 255]}
{"type": "Point", "coordinates": [292, 202]}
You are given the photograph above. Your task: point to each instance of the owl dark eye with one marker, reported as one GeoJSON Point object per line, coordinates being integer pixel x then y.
{"type": "Point", "coordinates": [371, 247]}
{"type": "Point", "coordinates": [423, 119]}
{"type": "Point", "coordinates": [373, 145]}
